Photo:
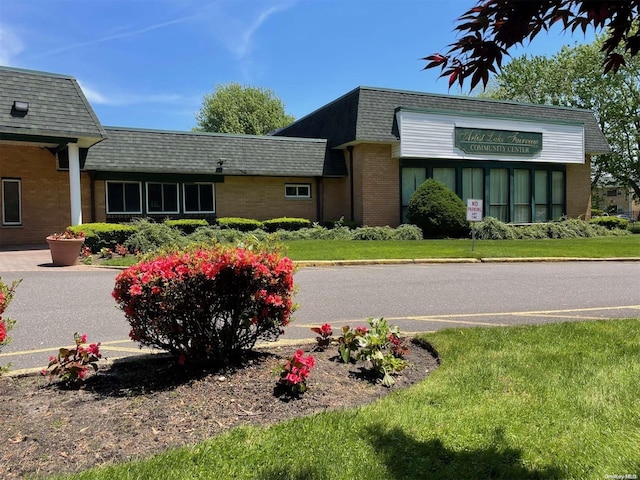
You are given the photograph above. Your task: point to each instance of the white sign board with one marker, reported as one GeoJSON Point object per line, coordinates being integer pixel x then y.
{"type": "Point", "coordinates": [474, 210]}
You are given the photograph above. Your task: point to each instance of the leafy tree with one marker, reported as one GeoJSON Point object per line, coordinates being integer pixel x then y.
{"type": "Point", "coordinates": [438, 211]}
{"type": "Point", "coordinates": [492, 27]}
{"type": "Point", "coordinates": [234, 108]}
{"type": "Point", "coordinates": [573, 78]}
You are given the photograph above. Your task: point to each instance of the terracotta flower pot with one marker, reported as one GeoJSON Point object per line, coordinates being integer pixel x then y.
{"type": "Point", "coordinates": [65, 251]}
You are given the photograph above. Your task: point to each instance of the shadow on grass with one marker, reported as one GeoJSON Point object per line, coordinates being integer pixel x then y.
{"type": "Point", "coordinates": [145, 374]}
{"type": "Point", "coordinates": [407, 458]}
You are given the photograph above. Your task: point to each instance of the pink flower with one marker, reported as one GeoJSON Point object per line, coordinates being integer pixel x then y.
{"type": "Point", "coordinates": [325, 330]}
{"type": "Point", "coordinates": [3, 331]}
{"type": "Point", "coordinates": [94, 349]}
{"type": "Point", "coordinates": [82, 373]}
{"type": "Point", "coordinates": [83, 338]}
{"type": "Point", "coordinates": [135, 290]}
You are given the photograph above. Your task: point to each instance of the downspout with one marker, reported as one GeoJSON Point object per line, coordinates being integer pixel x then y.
{"type": "Point", "coordinates": [319, 199]}
{"type": "Point", "coordinates": [351, 194]}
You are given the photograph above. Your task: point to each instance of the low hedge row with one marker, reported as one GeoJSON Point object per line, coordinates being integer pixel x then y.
{"type": "Point", "coordinates": [493, 229]}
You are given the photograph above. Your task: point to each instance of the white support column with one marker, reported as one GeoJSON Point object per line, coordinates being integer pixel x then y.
{"type": "Point", "coordinates": [74, 184]}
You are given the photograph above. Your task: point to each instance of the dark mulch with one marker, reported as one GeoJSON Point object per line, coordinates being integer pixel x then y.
{"type": "Point", "coordinates": [135, 408]}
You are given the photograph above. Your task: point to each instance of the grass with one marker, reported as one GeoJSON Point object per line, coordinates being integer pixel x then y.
{"type": "Point", "coordinates": [551, 401]}
{"type": "Point", "coordinates": [601, 247]}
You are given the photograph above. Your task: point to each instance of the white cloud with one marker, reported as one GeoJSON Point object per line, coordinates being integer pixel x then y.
{"type": "Point", "coordinates": [10, 46]}
{"type": "Point", "coordinates": [97, 97]}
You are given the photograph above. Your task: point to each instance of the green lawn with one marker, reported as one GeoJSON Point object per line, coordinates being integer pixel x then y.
{"type": "Point", "coordinates": [602, 247]}
{"type": "Point", "coordinates": [551, 401]}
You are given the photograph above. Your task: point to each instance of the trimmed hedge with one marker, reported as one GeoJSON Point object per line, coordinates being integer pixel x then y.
{"type": "Point", "coordinates": [285, 223]}
{"type": "Point", "coordinates": [104, 235]}
{"type": "Point", "coordinates": [187, 225]}
{"type": "Point", "coordinates": [242, 224]}
{"type": "Point", "coordinates": [611, 222]}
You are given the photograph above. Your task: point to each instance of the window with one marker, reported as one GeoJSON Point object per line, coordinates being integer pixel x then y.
{"type": "Point", "coordinates": [199, 198]}
{"type": "Point", "coordinates": [162, 198]}
{"type": "Point", "coordinates": [124, 197]}
{"type": "Point", "coordinates": [412, 178]}
{"type": "Point", "coordinates": [472, 184]}
{"type": "Point", "coordinates": [541, 192]}
{"type": "Point", "coordinates": [297, 190]}
{"type": "Point", "coordinates": [557, 195]}
{"type": "Point", "coordinates": [499, 194]}
{"type": "Point", "coordinates": [11, 201]}
{"type": "Point", "coordinates": [447, 176]}
{"type": "Point", "coordinates": [521, 196]}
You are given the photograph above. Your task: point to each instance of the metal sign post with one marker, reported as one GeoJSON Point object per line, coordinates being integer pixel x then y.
{"type": "Point", "coordinates": [474, 214]}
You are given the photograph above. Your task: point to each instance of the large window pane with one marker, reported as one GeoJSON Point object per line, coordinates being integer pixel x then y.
{"type": "Point", "coordinates": [11, 208]}
{"type": "Point", "coordinates": [499, 194]}
{"type": "Point", "coordinates": [446, 176]}
{"type": "Point", "coordinates": [162, 198]}
{"type": "Point", "coordinates": [557, 195]}
{"type": "Point", "coordinates": [472, 184]}
{"type": "Point", "coordinates": [199, 198]}
{"type": "Point", "coordinates": [412, 178]}
{"type": "Point", "coordinates": [123, 197]}
{"type": "Point", "coordinates": [541, 195]}
{"type": "Point", "coordinates": [521, 196]}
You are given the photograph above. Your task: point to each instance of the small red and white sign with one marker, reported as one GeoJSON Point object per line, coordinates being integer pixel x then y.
{"type": "Point", "coordinates": [474, 210]}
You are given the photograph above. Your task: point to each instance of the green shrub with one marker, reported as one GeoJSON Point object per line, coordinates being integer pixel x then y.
{"type": "Point", "coordinates": [104, 235]}
{"type": "Point", "coordinates": [408, 232]}
{"type": "Point", "coordinates": [437, 211]}
{"type": "Point", "coordinates": [373, 233]}
{"type": "Point", "coordinates": [150, 236]}
{"type": "Point", "coordinates": [187, 225]}
{"type": "Point", "coordinates": [242, 224]}
{"type": "Point", "coordinates": [493, 229]}
{"type": "Point", "coordinates": [285, 223]}
{"type": "Point", "coordinates": [611, 222]}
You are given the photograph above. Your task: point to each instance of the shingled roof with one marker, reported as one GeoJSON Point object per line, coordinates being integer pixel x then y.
{"type": "Point", "coordinates": [367, 115]}
{"type": "Point", "coordinates": [154, 151]}
{"type": "Point", "coordinates": [58, 110]}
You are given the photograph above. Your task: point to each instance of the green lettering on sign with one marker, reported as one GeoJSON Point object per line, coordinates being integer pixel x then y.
{"type": "Point", "coordinates": [483, 141]}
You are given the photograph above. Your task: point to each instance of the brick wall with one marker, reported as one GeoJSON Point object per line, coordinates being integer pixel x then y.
{"type": "Point", "coordinates": [377, 187]}
{"type": "Point", "coordinates": [579, 190]}
{"type": "Point", "coordinates": [262, 198]}
{"type": "Point", "coordinates": [46, 204]}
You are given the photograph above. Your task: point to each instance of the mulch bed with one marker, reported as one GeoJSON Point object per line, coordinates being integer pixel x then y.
{"type": "Point", "coordinates": [136, 408]}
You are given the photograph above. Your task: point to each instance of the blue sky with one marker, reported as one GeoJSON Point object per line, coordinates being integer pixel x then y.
{"type": "Point", "coordinates": [148, 63]}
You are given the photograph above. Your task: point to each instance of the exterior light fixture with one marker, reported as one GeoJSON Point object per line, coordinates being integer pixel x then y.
{"type": "Point", "coordinates": [19, 109]}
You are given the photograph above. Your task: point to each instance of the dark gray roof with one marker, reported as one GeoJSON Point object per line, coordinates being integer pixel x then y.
{"type": "Point", "coordinates": [153, 151]}
{"type": "Point", "coordinates": [367, 114]}
{"type": "Point", "coordinates": [57, 107]}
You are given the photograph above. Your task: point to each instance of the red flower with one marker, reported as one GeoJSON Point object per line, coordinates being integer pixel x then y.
{"type": "Point", "coordinates": [3, 331]}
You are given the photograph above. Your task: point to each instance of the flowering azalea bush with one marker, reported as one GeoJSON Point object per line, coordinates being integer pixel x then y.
{"type": "Point", "coordinates": [295, 372]}
{"type": "Point", "coordinates": [71, 364]}
{"type": "Point", "coordinates": [324, 337]}
{"type": "Point", "coordinates": [6, 324]}
{"type": "Point", "coordinates": [205, 305]}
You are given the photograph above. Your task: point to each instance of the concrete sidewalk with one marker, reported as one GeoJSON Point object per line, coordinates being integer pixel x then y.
{"type": "Point", "coordinates": [30, 258]}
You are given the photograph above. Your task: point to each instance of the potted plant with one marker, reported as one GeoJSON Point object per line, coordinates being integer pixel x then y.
{"type": "Point", "coordinates": [65, 247]}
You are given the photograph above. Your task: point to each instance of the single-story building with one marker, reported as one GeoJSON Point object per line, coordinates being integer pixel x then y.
{"type": "Point", "coordinates": [359, 157]}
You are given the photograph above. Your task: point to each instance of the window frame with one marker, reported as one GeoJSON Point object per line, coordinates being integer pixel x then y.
{"type": "Point", "coordinates": [297, 186]}
{"type": "Point", "coordinates": [163, 211]}
{"type": "Point", "coordinates": [18, 181]}
{"type": "Point", "coordinates": [122, 182]}
{"type": "Point", "coordinates": [213, 199]}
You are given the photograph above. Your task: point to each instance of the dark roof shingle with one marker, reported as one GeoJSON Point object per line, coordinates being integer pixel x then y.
{"type": "Point", "coordinates": [57, 106]}
{"type": "Point", "coordinates": [153, 151]}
